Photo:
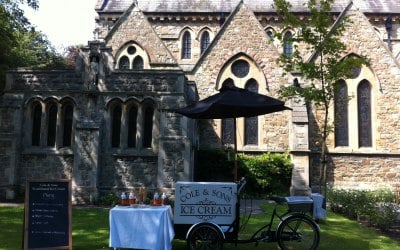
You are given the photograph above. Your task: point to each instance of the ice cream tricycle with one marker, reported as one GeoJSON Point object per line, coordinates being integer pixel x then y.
{"type": "Point", "coordinates": [207, 215]}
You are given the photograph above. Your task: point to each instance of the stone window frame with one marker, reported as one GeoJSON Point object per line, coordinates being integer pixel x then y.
{"type": "Point", "coordinates": [255, 73]}
{"type": "Point", "coordinates": [140, 138]}
{"type": "Point", "coordinates": [364, 113]}
{"type": "Point", "coordinates": [203, 46]}
{"type": "Point", "coordinates": [249, 133]}
{"type": "Point", "coordinates": [186, 45]}
{"type": "Point", "coordinates": [139, 53]}
{"type": "Point", "coordinates": [341, 114]}
{"type": "Point", "coordinates": [288, 45]}
{"type": "Point", "coordinates": [270, 32]}
{"type": "Point", "coordinates": [368, 75]}
{"type": "Point", "coordinates": [58, 129]}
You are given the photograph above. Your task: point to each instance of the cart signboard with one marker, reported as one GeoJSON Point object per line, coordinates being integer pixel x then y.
{"type": "Point", "coordinates": [197, 202]}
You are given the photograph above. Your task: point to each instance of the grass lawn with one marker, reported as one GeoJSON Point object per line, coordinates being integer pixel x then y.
{"type": "Point", "coordinates": [90, 230]}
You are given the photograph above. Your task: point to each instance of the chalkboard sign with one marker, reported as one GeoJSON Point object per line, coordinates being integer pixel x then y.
{"type": "Point", "coordinates": [47, 223]}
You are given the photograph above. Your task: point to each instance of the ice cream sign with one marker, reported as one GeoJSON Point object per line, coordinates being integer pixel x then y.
{"type": "Point", "coordinates": [205, 201]}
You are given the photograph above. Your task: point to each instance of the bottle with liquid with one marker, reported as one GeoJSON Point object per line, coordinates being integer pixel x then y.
{"type": "Point", "coordinates": [163, 197]}
{"type": "Point", "coordinates": [155, 199]}
{"type": "Point", "coordinates": [132, 198]}
{"type": "Point", "coordinates": [123, 199]}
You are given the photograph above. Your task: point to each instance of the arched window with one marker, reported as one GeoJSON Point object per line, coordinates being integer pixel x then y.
{"type": "Point", "coordinates": [228, 83]}
{"type": "Point", "coordinates": [116, 126]}
{"type": "Point", "coordinates": [227, 126]}
{"type": "Point", "coordinates": [204, 41]}
{"type": "Point", "coordinates": [251, 123]}
{"type": "Point", "coordinates": [364, 114]}
{"type": "Point", "coordinates": [132, 127]}
{"type": "Point", "coordinates": [288, 44]}
{"type": "Point", "coordinates": [227, 131]}
{"type": "Point", "coordinates": [137, 63]}
{"type": "Point", "coordinates": [341, 115]}
{"type": "Point", "coordinates": [148, 127]}
{"type": "Point", "coordinates": [270, 34]}
{"type": "Point", "coordinates": [186, 45]}
{"type": "Point", "coordinates": [124, 62]}
{"type": "Point", "coordinates": [36, 123]}
{"type": "Point", "coordinates": [51, 125]}
{"type": "Point", "coordinates": [67, 123]}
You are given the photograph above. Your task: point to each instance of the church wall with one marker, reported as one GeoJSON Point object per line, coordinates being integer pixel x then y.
{"type": "Point", "coordinates": [242, 37]}
{"type": "Point", "coordinates": [92, 165]}
{"type": "Point", "coordinates": [365, 167]}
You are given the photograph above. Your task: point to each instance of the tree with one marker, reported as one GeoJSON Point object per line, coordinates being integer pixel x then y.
{"type": "Point", "coordinates": [319, 38]}
{"type": "Point", "coordinates": [20, 44]}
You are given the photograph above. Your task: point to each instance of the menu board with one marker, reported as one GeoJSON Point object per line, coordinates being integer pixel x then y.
{"type": "Point", "coordinates": [47, 223]}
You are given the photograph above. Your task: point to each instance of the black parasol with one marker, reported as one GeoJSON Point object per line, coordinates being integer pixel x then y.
{"type": "Point", "coordinates": [233, 102]}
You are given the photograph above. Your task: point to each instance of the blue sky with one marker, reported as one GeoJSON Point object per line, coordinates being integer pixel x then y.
{"type": "Point", "coordinates": [65, 22]}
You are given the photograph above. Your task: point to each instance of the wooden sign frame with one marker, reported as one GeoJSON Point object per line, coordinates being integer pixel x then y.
{"type": "Point", "coordinates": [48, 215]}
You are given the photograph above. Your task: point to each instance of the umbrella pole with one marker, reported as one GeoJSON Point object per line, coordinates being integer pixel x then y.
{"type": "Point", "coordinates": [235, 162]}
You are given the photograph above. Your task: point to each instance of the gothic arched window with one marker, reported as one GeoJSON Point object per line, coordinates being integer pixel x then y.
{"type": "Point", "coordinates": [227, 126]}
{"type": "Point", "coordinates": [51, 125]}
{"type": "Point", "coordinates": [341, 115]}
{"type": "Point", "coordinates": [124, 62]}
{"type": "Point", "coordinates": [227, 131]}
{"type": "Point", "coordinates": [288, 44]}
{"type": "Point", "coordinates": [186, 45]}
{"type": "Point", "coordinates": [204, 41]}
{"type": "Point", "coordinates": [67, 123]}
{"type": "Point", "coordinates": [148, 126]}
{"type": "Point", "coordinates": [251, 123]}
{"type": "Point", "coordinates": [116, 126]}
{"type": "Point", "coordinates": [36, 123]}
{"type": "Point", "coordinates": [364, 114]}
{"type": "Point", "coordinates": [132, 127]}
{"type": "Point", "coordinates": [137, 63]}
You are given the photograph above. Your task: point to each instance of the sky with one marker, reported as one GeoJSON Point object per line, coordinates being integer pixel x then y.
{"type": "Point", "coordinates": [65, 22]}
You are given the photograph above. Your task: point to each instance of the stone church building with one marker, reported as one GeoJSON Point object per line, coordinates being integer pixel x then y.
{"type": "Point", "coordinates": [109, 124]}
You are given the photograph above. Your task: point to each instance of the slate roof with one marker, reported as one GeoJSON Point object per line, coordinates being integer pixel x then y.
{"type": "Point", "coordinates": [177, 6]}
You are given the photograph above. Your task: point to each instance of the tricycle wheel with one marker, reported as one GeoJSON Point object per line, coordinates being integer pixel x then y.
{"type": "Point", "coordinates": [205, 237]}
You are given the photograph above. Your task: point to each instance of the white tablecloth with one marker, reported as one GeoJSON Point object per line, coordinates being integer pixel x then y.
{"type": "Point", "coordinates": [143, 228]}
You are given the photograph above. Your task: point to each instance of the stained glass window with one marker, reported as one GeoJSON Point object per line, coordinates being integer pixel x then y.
{"type": "Point", "coordinates": [67, 123]}
{"type": "Point", "coordinates": [341, 115]}
{"type": "Point", "coordinates": [137, 63]}
{"type": "Point", "coordinates": [148, 127]}
{"type": "Point", "coordinates": [227, 131]}
{"type": "Point", "coordinates": [364, 114]}
{"type": "Point", "coordinates": [288, 44]}
{"type": "Point", "coordinates": [116, 126]}
{"type": "Point", "coordinates": [36, 124]}
{"type": "Point", "coordinates": [240, 68]}
{"type": "Point", "coordinates": [132, 120]}
{"type": "Point", "coordinates": [204, 41]}
{"type": "Point", "coordinates": [186, 45]}
{"type": "Point", "coordinates": [124, 62]}
{"type": "Point", "coordinates": [251, 123]}
{"type": "Point", "coordinates": [51, 125]}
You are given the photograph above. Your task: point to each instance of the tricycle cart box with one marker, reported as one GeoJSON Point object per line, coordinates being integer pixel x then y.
{"type": "Point", "coordinates": [205, 202]}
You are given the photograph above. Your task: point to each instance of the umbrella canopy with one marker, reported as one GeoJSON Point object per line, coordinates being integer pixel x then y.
{"type": "Point", "coordinates": [233, 102]}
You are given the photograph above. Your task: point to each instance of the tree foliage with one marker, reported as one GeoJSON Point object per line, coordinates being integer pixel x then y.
{"type": "Point", "coordinates": [321, 60]}
{"type": "Point", "coordinates": [20, 44]}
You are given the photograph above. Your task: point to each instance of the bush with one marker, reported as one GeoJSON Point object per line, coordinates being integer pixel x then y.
{"type": "Point", "coordinates": [377, 207]}
{"type": "Point", "coordinates": [266, 174]}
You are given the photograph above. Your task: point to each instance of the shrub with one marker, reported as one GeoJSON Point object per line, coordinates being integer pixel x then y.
{"type": "Point", "coordinates": [266, 174]}
{"type": "Point", "coordinates": [377, 207]}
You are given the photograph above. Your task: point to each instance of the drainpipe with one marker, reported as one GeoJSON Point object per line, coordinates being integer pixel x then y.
{"type": "Point", "coordinates": [388, 26]}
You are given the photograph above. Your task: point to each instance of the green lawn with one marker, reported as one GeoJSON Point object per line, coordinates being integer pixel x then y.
{"type": "Point", "coordinates": [90, 231]}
